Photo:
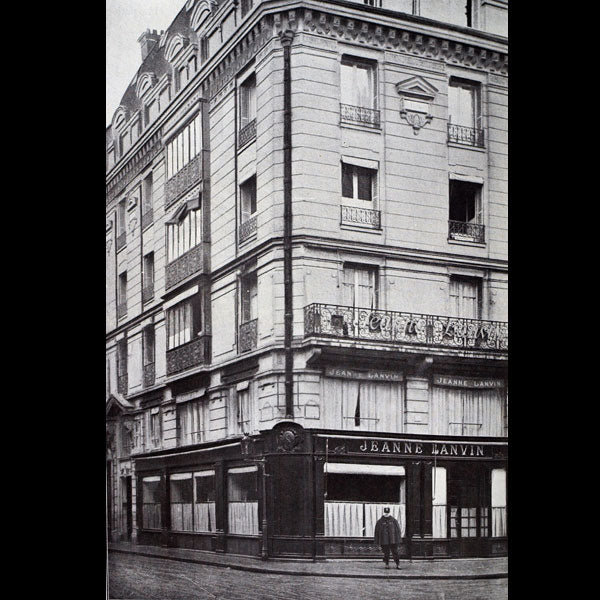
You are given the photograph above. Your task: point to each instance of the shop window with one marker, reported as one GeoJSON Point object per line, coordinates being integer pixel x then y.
{"type": "Point", "coordinates": [204, 501]}
{"type": "Point", "coordinates": [181, 502]}
{"type": "Point", "coordinates": [184, 322]}
{"type": "Point", "coordinates": [468, 501]}
{"type": "Point", "coordinates": [499, 503]}
{"type": "Point", "coordinates": [191, 422]}
{"type": "Point", "coordinates": [438, 501]}
{"type": "Point", "coordinates": [151, 504]}
{"type": "Point", "coordinates": [358, 98]}
{"type": "Point", "coordinates": [242, 499]}
{"type": "Point", "coordinates": [355, 496]}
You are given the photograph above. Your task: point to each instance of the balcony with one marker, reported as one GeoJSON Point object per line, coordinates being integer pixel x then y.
{"type": "Point", "coordinates": [184, 266]}
{"type": "Point", "coordinates": [183, 180]}
{"type": "Point", "coordinates": [247, 229]}
{"type": "Point", "coordinates": [361, 217]}
{"type": "Point", "coordinates": [189, 355]}
{"type": "Point", "coordinates": [392, 327]}
{"type": "Point", "coordinates": [466, 232]}
{"type": "Point", "coordinates": [121, 310]}
{"type": "Point", "coordinates": [360, 115]}
{"type": "Point", "coordinates": [467, 136]}
{"type": "Point", "coordinates": [247, 133]}
{"type": "Point", "coordinates": [149, 375]}
{"type": "Point", "coordinates": [248, 336]}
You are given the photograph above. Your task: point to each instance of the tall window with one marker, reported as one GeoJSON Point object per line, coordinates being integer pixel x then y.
{"type": "Point", "coordinates": [463, 104]}
{"type": "Point", "coordinates": [465, 214]}
{"type": "Point", "coordinates": [191, 422]}
{"type": "Point", "coordinates": [465, 297]}
{"type": "Point", "coordinates": [358, 183]}
{"type": "Point", "coordinates": [468, 500]}
{"type": "Point", "coordinates": [358, 83]}
{"type": "Point", "coordinates": [499, 502]}
{"type": "Point", "coordinates": [242, 500]}
{"type": "Point", "coordinates": [183, 234]}
{"type": "Point", "coordinates": [193, 501]}
{"type": "Point", "coordinates": [148, 277]}
{"type": "Point", "coordinates": [249, 297]}
{"type": "Point", "coordinates": [360, 286]}
{"type": "Point", "coordinates": [149, 351]}
{"type": "Point", "coordinates": [247, 101]}
{"type": "Point", "coordinates": [184, 322]}
{"type": "Point", "coordinates": [248, 198]}
{"type": "Point", "coordinates": [121, 211]}
{"type": "Point", "coordinates": [185, 146]}
{"type": "Point", "coordinates": [147, 195]}
{"type": "Point", "coordinates": [122, 295]}
{"type": "Point", "coordinates": [154, 427]}
{"type": "Point", "coordinates": [122, 366]}
{"type": "Point", "coordinates": [151, 505]}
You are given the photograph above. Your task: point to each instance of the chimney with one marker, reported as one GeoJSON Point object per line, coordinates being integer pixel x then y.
{"type": "Point", "coordinates": [147, 41]}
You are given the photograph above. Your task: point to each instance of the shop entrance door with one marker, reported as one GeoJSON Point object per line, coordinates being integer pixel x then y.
{"type": "Point", "coordinates": [127, 507]}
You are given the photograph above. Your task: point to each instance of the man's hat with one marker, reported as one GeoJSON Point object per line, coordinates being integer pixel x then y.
{"type": "Point", "coordinates": [386, 509]}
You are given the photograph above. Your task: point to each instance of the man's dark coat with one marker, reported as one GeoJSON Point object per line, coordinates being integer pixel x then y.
{"type": "Point", "coordinates": [387, 531]}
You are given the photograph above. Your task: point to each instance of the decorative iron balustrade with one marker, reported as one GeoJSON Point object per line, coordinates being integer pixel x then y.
{"type": "Point", "coordinates": [330, 320]}
{"type": "Point", "coordinates": [147, 218]}
{"type": "Point", "coordinates": [184, 266]}
{"type": "Point", "coordinates": [248, 335]}
{"type": "Point", "coordinates": [365, 217]}
{"type": "Point", "coordinates": [360, 114]}
{"type": "Point", "coordinates": [121, 241]}
{"type": "Point", "coordinates": [468, 232]}
{"type": "Point", "coordinates": [149, 375]}
{"type": "Point", "coordinates": [121, 310]}
{"type": "Point", "coordinates": [467, 136]}
{"type": "Point", "coordinates": [122, 384]}
{"type": "Point", "coordinates": [147, 293]}
{"type": "Point", "coordinates": [247, 133]}
{"type": "Point", "coordinates": [247, 229]}
{"type": "Point", "coordinates": [191, 354]}
{"type": "Point", "coordinates": [183, 180]}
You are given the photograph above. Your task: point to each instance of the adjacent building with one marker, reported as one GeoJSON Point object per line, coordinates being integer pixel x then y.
{"type": "Point", "coordinates": [307, 279]}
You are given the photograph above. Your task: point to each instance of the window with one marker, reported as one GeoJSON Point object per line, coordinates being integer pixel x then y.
{"type": "Point", "coordinates": [498, 502]}
{"type": "Point", "coordinates": [465, 297]}
{"type": "Point", "coordinates": [358, 83]}
{"type": "Point", "coordinates": [182, 492]}
{"type": "Point", "coordinates": [242, 500]}
{"type": "Point", "coordinates": [122, 295]}
{"type": "Point", "coordinates": [121, 231]}
{"type": "Point", "coordinates": [360, 286]}
{"type": "Point", "coordinates": [148, 351]}
{"type": "Point", "coordinates": [191, 422]}
{"type": "Point", "coordinates": [184, 322]}
{"type": "Point", "coordinates": [185, 146]}
{"type": "Point", "coordinates": [468, 500]}
{"type": "Point", "coordinates": [139, 440]}
{"type": "Point", "coordinates": [247, 101]}
{"type": "Point", "coordinates": [154, 428]}
{"type": "Point", "coordinates": [193, 501]}
{"type": "Point", "coordinates": [124, 142]}
{"type": "Point", "coordinates": [110, 159]}
{"type": "Point", "coordinates": [151, 505]}
{"type": "Point", "coordinates": [248, 198]}
{"type": "Point", "coordinates": [358, 183]}
{"type": "Point", "coordinates": [148, 277]}
{"type": "Point", "coordinates": [249, 297]}
{"type": "Point", "coordinates": [464, 113]}
{"type": "Point", "coordinates": [147, 195]}
{"type": "Point", "coordinates": [122, 366]}
{"type": "Point", "coordinates": [465, 214]}
{"type": "Point", "coordinates": [183, 234]}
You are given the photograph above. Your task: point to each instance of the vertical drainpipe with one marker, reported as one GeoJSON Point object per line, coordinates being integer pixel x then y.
{"type": "Point", "coordinates": [286, 41]}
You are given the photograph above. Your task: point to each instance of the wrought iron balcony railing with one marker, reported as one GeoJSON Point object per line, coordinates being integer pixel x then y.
{"type": "Point", "coordinates": [121, 310]}
{"type": "Point", "coordinates": [468, 232]}
{"type": "Point", "coordinates": [149, 375]}
{"type": "Point", "coordinates": [189, 355]}
{"type": "Point", "coordinates": [247, 133]}
{"type": "Point", "coordinates": [364, 217]}
{"type": "Point", "coordinates": [183, 180]}
{"type": "Point", "coordinates": [121, 241]}
{"type": "Point", "coordinates": [360, 114]}
{"type": "Point", "coordinates": [346, 322]}
{"type": "Point", "coordinates": [184, 266]}
{"type": "Point", "coordinates": [248, 336]}
{"type": "Point", "coordinates": [467, 136]}
{"type": "Point", "coordinates": [247, 229]}
{"type": "Point", "coordinates": [147, 218]}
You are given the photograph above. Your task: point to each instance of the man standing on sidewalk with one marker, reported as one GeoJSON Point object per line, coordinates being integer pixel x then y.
{"type": "Point", "coordinates": [387, 535]}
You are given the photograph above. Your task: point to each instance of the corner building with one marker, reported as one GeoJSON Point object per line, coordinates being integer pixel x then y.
{"type": "Point", "coordinates": [306, 253]}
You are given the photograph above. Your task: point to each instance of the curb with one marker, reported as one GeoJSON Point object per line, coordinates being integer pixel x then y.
{"type": "Point", "coordinates": [276, 571]}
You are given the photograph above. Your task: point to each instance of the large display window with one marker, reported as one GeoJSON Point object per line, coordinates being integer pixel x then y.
{"type": "Point", "coordinates": [242, 500]}
{"type": "Point", "coordinates": [356, 494]}
{"type": "Point", "coordinates": [193, 501]}
{"type": "Point", "coordinates": [151, 506]}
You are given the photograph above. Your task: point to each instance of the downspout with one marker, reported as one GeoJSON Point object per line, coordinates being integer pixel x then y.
{"type": "Point", "coordinates": [286, 41]}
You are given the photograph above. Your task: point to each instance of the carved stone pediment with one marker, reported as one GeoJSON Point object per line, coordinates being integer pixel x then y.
{"type": "Point", "coordinates": [416, 96]}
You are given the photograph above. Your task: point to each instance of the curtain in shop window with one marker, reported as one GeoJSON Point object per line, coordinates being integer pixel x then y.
{"type": "Point", "coordinates": [498, 502]}
{"type": "Point", "coordinates": [345, 519]}
{"type": "Point", "coordinates": [438, 484]}
{"type": "Point", "coordinates": [243, 518]}
{"type": "Point", "coordinates": [373, 512]}
{"type": "Point", "coordinates": [204, 516]}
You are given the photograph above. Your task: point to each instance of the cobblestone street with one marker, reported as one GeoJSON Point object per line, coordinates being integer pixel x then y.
{"type": "Point", "coordinates": [139, 577]}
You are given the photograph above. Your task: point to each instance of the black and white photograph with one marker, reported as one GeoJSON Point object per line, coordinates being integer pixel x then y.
{"type": "Point", "coordinates": [307, 300]}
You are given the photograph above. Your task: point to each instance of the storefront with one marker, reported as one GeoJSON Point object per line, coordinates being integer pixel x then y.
{"type": "Point", "coordinates": [294, 492]}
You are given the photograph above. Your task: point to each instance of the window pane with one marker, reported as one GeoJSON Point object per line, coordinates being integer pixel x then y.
{"type": "Point", "coordinates": [363, 86]}
{"type": "Point", "coordinates": [205, 489]}
{"type": "Point", "coordinates": [364, 183]}
{"type": "Point", "coordinates": [241, 487]}
{"type": "Point", "coordinates": [347, 187]}
{"type": "Point", "coordinates": [347, 87]}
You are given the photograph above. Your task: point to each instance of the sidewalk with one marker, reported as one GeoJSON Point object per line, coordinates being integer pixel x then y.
{"type": "Point", "coordinates": [461, 568]}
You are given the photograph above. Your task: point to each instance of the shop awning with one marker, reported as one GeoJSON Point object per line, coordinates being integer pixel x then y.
{"type": "Point", "coordinates": [356, 469]}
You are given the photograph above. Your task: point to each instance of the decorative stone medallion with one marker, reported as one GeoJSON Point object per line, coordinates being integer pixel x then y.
{"type": "Point", "coordinates": [416, 96]}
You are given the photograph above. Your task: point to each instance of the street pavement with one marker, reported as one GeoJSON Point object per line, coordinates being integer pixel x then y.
{"type": "Point", "coordinates": [134, 576]}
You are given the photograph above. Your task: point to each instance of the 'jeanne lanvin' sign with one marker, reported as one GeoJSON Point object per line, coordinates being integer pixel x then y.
{"type": "Point", "coordinates": [421, 448]}
{"type": "Point", "coordinates": [467, 382]}
{"type": "Point", "coordinates": [371, 375]}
